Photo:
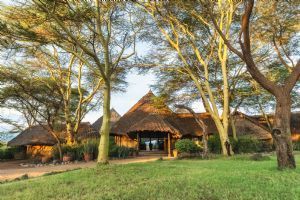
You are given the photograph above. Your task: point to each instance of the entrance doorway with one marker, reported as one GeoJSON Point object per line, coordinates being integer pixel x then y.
{"type": "Point", "coordinates": [153, 141]}
{"type": "Point", "coordinates": [151, 144]}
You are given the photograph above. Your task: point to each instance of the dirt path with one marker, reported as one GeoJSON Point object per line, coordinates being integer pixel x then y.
{"type": "Point", "coordinates": [12, 169]}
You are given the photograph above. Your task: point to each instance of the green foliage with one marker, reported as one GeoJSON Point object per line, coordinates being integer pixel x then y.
{"type": "Point", "coordinates": [251, 145]}
{"type": "Point", "coordinates": [186, 146]}
{"type": "Point", "coordinates": [75, 151]}
{"type": "Point", "coordinates": [242, 145]}
{"type": "Point", "coordinates": [6, 153]}
{"type": "Point", "coordinates": [246, 145]}
{"type": "Point", "coordinates": [91, 146]}
{"type": "Point", "coordinates": [214, 144]}
{"type": "Point", "coordinates": [296, 146]}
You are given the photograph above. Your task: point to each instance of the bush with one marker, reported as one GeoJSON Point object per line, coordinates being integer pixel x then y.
{"type": "Point", "coordinates": [214, 144]}
{"type": "Point", "coordinates": [76, 151]}
{"type": "Point", "coordinates": [296, 146]}
{"type": "Point", "coordinates": [247, 145]}
{"type": "Point", "coordinates": [186, 146]}
{"type": "Point", "coordinates": [6, 153]}
{"type": "Point", "coordinates": [242, 145]}
{"type": "Point", "coordinates": [119, 151]}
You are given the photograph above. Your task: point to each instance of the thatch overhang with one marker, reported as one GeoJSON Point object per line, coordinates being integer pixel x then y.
{"type": "Point", "coordinates": [153, 123]}
{"type": "Point", "coordinates": [188, 125]}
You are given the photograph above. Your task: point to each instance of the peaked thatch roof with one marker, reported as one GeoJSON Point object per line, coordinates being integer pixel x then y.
{"type": "Point", "coordinates": [115, 116]}
{"type": "Point", "coordinates": [93, 131]}
{"type": "Point", "coordinates": [146, 116]}
{"type": "Point", "coordinates": [143, 108]}
{"type": "Point", "coordinates": [38, 135]}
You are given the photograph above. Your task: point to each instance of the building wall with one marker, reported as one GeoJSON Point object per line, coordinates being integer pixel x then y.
{"type": "Point", "coordinates": [295, 137]}
{"type": "Point", "coordinates": [39, 151]}
{"type": "Point", "coordinates": [125, 141]}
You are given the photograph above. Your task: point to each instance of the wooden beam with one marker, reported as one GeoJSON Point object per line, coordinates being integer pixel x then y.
{"type": "Point", "coordinates": [138, 141]}
{"type": "Point", "coordinates": [169, 145]}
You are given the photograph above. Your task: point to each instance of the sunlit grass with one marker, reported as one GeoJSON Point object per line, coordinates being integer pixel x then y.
{"type": "Point", "coordinates": [234, 178]}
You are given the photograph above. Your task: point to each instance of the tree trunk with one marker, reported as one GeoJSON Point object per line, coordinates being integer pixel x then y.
{"type": "Point", "coordinates": [233, 128]}
{"type": "Point", "coordinates": [105, 128]}
{"type": "Point", "coordinates": [225, 143]}
{"type": "Point", "coordinates": [282, 133]}
{"type": "Point", "coordinates": [70, 136]}
{"type": "Point", "coordinates": [69, 131]}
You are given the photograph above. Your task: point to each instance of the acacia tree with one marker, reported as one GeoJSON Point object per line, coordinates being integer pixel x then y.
{"type": "Point", "coordinates": [278, 25]}
{"type": "Point", "coordinates": [98, 33]}
{"type": "Point", "coordinates": [201, 52]}
{"type": "Point", "coordinates": [37, 94]}
{"type": "Point", "coordinates": [61, 68]}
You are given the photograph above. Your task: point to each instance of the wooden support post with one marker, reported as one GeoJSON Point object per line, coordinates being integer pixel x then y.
{"type": "Point", "coordinates": [169, 145]}
{"type": "Point", "coordinates": [138, 141]}
{"type": "Point", "coordinates": [165, 145]}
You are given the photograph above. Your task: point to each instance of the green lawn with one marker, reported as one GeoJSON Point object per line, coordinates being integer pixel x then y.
{"type": "Point", "coordinates": [233, 178]}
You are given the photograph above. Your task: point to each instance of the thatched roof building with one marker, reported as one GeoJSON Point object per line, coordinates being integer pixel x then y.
{"type": "Point", "coordinates": [147, 116]}
{"type": "Point", "coordinates": [38, 135]}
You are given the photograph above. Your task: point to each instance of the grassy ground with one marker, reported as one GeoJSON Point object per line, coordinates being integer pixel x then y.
{"type": "Point", "coordinates": [234, 178]}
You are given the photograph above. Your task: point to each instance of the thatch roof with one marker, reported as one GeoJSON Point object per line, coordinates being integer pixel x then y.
{"type": "Point", "coordinates": [93, 130]}
{"type": "Point", "coordinates": [295, 121]}
{"type": "Point", "coordinates": [155, 123]}
{"type": "Point", "coordinates": [38, 135]}
{"type": "Point", "coordinates": [115, 116]}
{"type": "Point", "coordinates": [35, 135]}
{"type": "Point", "coordinates": [247, 125]}
{"type": "Point", "coordinates": [146, 116]}
{"type": "Point", "coordinates": [143, 108]}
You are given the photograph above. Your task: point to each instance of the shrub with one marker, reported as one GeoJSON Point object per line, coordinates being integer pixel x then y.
{"type": "Point", "coordinates": [75, 151]}
{"type": "Point", "coordinates": [296, 146]}
{"type": "Point", "coordinates": [214, 144]}
{"type": "Point", "coordinates": [6, 154]}
{"type": "Point", "coordinates": [247, 145]}
{"type": "Point", "coordinates": [186, 146]}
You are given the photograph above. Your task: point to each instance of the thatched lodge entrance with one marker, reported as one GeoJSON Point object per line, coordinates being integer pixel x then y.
{"type": "Point", "coordinates": [153, 141]}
